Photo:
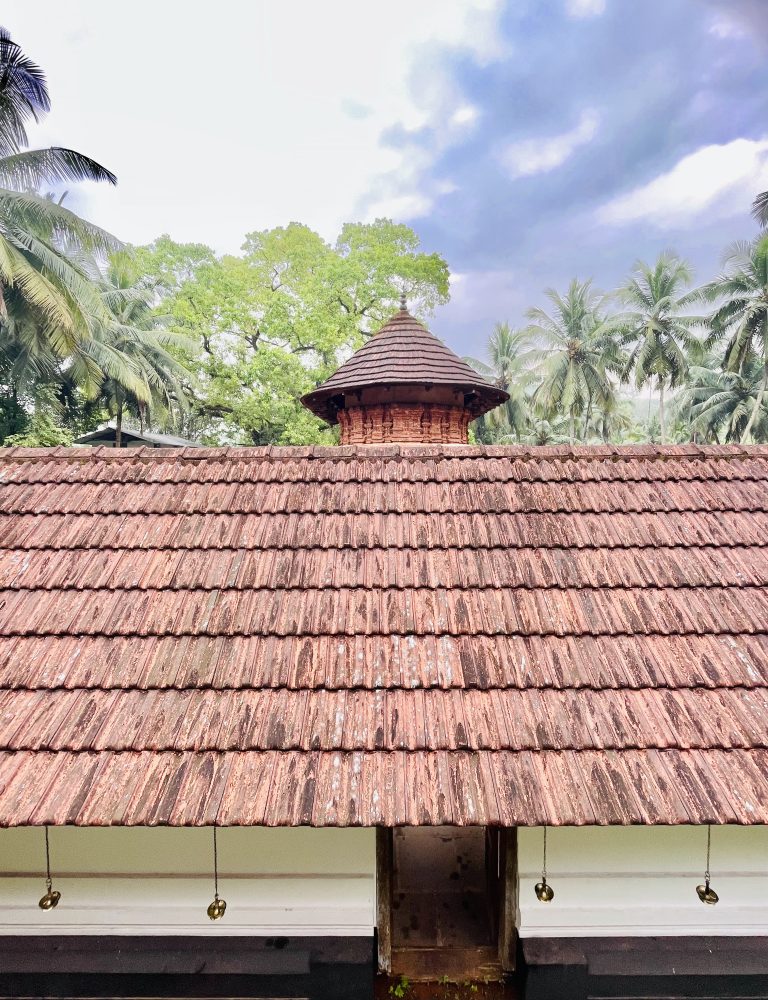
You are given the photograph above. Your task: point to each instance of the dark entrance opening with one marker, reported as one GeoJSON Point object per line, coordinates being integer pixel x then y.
{"type": "Point", "coordinates": [445, 903]}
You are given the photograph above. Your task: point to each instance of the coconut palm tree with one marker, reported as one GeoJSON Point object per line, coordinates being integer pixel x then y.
{"type": "Point", "coordinates": [128, 362]}
{"type": "Point", "coordinates": [47, 296]}
{"type": "Point", "coordinates": [543, 432]}
{"type": "Point", "coordinates": [720, 403]}
{"type": "Point", "coordinates": [509, 369]}
{"type": "Point", "coordinates": [655, 326]}
{"type": "Point", "coordinates": [578, 354]}
{"type": "Point", "coordinates": [741, 315]}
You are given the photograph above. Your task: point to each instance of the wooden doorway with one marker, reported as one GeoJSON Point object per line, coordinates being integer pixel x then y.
{"type": "Point", "coordinates": [444, 891]}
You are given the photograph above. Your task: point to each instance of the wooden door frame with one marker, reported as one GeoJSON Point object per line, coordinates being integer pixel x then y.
{"type": "Point", "coordinates": [507, 902]}
{"type": "Point", "coordinates": [385, 860]}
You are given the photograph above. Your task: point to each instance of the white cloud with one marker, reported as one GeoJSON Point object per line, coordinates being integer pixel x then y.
{"type": "Point", "coordinates": [276, 115]}
{"type": "Point", "coordinates": [585, 8]}
{"type": "Point", "coordinates": [465, 114]}
{"type": "Point", "coordinates": [725, 27]}
{"type": "Point", "coordinates": [716, 180]}
{"type": "Point", "coordinates": [414, 205]}
{"type": "Point", "coordinates": [538, 156]}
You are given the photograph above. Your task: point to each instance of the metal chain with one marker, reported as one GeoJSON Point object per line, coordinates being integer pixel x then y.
{"type": "Point", "coordinates": [709, 845]}
{"type": "Point", "coordinates": [544, 866]}
{"type": "Point", "coordinates": [48, 881]}
{"type": "Point", "coordinates": [215, 865]}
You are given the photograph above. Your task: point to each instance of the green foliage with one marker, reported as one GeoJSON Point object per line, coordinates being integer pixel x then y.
{"type": "Point", "coordinates": [13, 417]}
{"type": "Point", "coordinates": [270, 325]}
{"type": "Point", "coordinates": [47, 297]}
{"type": "Point", "coordinates": [577, 356]}
{"type": "Point", "coordinates": [401, 987]}
{"type": "Point", "coordinates": [741, 318]}
{"type": "Point", "coordinates": [643, 334]}
{"type": "Point", "coordinates": [508, 351]}
{"type": "Point", "coordinates": [656, 327]}
{"type": "Point", "coordinates": [42, 430]}
{"type": "Point", "coordinates": [221, 349]}
{"type": "Point", "coordinates": [760, 208]}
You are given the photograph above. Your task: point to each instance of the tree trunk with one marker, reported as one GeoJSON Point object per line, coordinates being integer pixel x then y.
{"type": "Point", "coordinates": [119, 426]}
{"type": "Point", "coordinates": [587, 418]}
{"type": "Point", "coordinates": [758, 405]}
{"type": "Point", "coordinates": [572, 429]}
{"type": "Point", "coordinates": [763, 388]}
{"type": "Point", "coordinates": [662, 427]}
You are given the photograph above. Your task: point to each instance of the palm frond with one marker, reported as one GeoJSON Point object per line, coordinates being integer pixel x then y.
{"type": "Point", "coordinates": [34, 168]}
{"type": "Point", "coordinates": [760, 208]}
{"type": "Point", "coordinates": [23, 94]}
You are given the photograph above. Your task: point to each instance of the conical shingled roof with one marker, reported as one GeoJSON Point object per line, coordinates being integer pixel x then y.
{"type": "Point", "coordinates": [404, 353]}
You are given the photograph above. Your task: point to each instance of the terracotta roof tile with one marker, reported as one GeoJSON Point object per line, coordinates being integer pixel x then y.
{"type": "Point", "coordinates": [399, 634]}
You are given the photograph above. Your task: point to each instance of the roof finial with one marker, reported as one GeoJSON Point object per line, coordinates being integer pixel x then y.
{"type": "Point", "coordinates": [403, 302]}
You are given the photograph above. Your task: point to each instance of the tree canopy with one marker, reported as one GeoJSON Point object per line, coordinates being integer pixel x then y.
{"type": "Point", "coordinates": [273, 323]}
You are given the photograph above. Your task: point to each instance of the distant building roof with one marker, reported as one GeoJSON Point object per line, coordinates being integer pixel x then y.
{"type": "Point", "coordinates": [384, 635]}
{"type": "Point", "coordinates": [130, 435]}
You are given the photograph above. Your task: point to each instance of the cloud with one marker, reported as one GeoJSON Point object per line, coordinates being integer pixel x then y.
{"type": "Point", "coordinates": [585, 8]}
{"type": "Point", "coordinates": [465, 114]}
{"type": "Point", "coordinates": [739, 19]}
{"type": "Point", "coordinates": [719, 180]}
{"type": "Point", "coordinates": [725, 28]}
{"type": "Point", "coordinates": [305, 123]}
{"type": "Point", "coordinates": [539, 156]}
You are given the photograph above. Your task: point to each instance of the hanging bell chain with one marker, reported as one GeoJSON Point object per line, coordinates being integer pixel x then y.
{"type": "Point", "coordinates": [217, 907]}
{"type": "Point", "coordinates": [705, 892]}
{"type": "Point", "coordinates": [544, 892]}
{"type": "Point", "coordinates": [51, 898]}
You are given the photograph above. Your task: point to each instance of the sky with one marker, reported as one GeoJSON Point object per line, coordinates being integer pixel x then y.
{"type": "Point", "coordinates": [527, 141]}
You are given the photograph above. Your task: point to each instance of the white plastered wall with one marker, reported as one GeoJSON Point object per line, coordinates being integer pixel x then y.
{"type": "Point", "coordinates": [292, 882]}
{"type": "Point", "coordinates": [641, 881]}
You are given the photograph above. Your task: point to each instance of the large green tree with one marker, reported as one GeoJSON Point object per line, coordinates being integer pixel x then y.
{"type": "Point", "coordinates": [273, 323]}
{"type": "Point", "coordinates": [740, 318]}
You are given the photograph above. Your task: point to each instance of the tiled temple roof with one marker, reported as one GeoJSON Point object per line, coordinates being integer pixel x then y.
{"type": "Point", "coordinates": [384, 635]}
{"type": "Point", "coordinates": [404, 352]}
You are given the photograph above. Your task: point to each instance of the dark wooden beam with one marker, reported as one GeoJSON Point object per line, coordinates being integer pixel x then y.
{"type": "Point", "coordinates": [385, 855]}
{"type": "Point", "coordinates": [653, 956]}
{"type": "Point", "coordinates": [509, 901]}
{"type": "Point", "coordinates": [173, 955]}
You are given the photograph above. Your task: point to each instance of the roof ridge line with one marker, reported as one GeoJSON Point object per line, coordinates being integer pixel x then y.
{"type": "Point", "coordinates": [527, 512]}
{"type": "Point", "coordinates": [398, 588]}
{"type": "Point", "coordinates": [463, 689]}
{"type": "Point", "coordinates": [346, 546]}
{"type": "Point", "coordinates": [468, 751]}
{"type": "Point", "coordinates": [746, 477]}
{"type": "Point", "coordinates": [393, 452]}
{"type": "Point", "coordinates": [238, 633]}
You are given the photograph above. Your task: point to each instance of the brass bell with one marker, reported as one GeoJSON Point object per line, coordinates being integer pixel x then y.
{"type": "Point", "coordinates": [706, 894]}
{"type": "Point", "coordinates": [50, 900]}
{"type": "Point", "coordinates": [217, 908]}
{"type": "Point", "coordinates": [544, 891]}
